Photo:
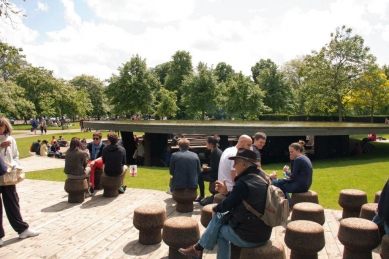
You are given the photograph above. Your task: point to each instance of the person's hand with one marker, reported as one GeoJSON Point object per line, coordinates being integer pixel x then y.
{"type": "Point", "coordinates": [286, 169]}
{"type": "Point", "coordinates": [6, 144]}
{"type": "Point", "coordinates": [221, 187]}
{"type": "Point", "coordinates": [273, 175]}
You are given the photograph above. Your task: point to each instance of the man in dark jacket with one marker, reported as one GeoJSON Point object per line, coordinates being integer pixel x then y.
{"type": "Point", "coordinates": [114, 159]}
{"type": "Point", "coordinates": [184, 167]}
{"type": "Point", "coordinates": [382, 216]}
{"type": "Point", "coordinates": [233, 222]}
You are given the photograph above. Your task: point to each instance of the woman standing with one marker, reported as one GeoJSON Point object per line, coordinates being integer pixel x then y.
{"type": "Point", "coordinates": [210, 174]}
{"type": "Point", "coordinates": [301, 172]}
{"type": "Point", "coordinates": [10, 154]}
{"type": "Point", "coordinates": [76, 162]}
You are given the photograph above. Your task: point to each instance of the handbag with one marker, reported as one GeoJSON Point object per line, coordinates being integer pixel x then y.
{"type": "Point", "coordinates": [13, 175]}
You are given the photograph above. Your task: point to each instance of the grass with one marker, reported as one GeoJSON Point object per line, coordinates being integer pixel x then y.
{"type": "Point", "coordinates": [367, 172]}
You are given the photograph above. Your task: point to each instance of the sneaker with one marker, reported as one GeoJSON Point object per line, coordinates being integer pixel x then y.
{"type": "Point", "coordinates": [191, 251]}
{"type": "Point", "coordinates": [1, 242]}
{"type": "Point", "coordinates": [28, 233]}
{"type": "Point", "coordinates": [199, 198]}
{"type": "Point", "coordinates": [91, 190]}
{"type": "Point", "coordinates": [169, 192]}
{"type": "Point", "coordinates": [121, 190]}
{"type": "Point", "coordinates": [87, 194]}
{"type": "Point", "coordinates": [206, 201]}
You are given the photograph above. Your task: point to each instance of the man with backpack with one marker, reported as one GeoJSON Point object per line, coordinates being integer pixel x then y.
{"type": "Point", "coordinates": [232, 221]}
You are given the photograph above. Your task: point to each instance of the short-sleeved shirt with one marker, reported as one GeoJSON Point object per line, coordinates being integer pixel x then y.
{"type": "Point", "coordinates": [226, 166]}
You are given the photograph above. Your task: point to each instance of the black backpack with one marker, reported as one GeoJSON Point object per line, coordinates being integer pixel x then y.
{"type": "Point", "coordinates": [38, 150]}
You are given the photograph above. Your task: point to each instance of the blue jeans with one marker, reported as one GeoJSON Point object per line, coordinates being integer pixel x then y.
{"type": "Point", "coordinates": [222, 234]}
{"type": "Point", "coordinates": [379, 221]}
{"type": "Point", "coordinates": [287, 187]}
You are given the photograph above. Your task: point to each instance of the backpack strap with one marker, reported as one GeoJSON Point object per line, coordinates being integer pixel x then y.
{"type": "Point", "coordinates": [248, 207]}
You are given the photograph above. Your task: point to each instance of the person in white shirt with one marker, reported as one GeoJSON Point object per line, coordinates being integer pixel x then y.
{"type": "Point", "coordinates": [226, 166]}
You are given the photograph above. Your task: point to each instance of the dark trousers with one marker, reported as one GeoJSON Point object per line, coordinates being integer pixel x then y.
{"type": "Point", "coordinates": [204, 176]}
{"type": "Point", "coordinates": [12, 209]}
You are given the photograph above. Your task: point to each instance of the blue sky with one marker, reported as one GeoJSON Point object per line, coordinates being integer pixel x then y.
{"type": "Point", "coordinates": [95, 37]}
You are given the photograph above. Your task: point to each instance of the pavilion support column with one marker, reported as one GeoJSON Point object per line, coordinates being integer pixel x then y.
{"type": "Point", "coordinates": [147, 145]}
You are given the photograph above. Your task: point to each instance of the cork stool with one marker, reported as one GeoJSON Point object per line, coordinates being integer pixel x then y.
{"type": "Point", "coordinates": [218, 197]}
{"type": "Point", "coordinates": [76, 189]}
{"type": "Point", "coordinates": [368, 211]}
{"type": "Point", "coordinates": [351, 201]}
{"type": "Point", "coordinates": [309, 196]}
{"type": "Point", "coordinates": [308, 211]}
{"type": "Point", "coordinates": [377, 196]}
{"type": "Point", "coordinates": [304, 238]}
{"type": "Point", "coordinates": [184, 199]}
{"type": "Point", "coordinates": [206, 214]}
{"type": "Point", "coordinates": [271, 250]}
{"type": "Point", "coordinates": [98, 174]}
{"type": "Point", "coordinates": [111, 185]}
{"type": "Point", "coordinates": [180, 232]}
{"type": "Point", "coordinates": [359, 237]}
{"type": "Point", "coordinates": [384, 250]}
{"type": "Point", "coordinates": [149, 219]}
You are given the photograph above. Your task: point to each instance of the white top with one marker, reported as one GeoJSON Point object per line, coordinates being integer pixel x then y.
{"type": "Point", "coordinates": [226, 166]}
{"type": "Point", "coordinates": [11, 153]}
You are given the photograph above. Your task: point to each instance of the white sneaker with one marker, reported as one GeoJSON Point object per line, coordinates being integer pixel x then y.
{"type": "Point", "coordinates": [1, 242]}
{"type": "Point", "coordinates": [28, 233]}
{"type": "Point", "coordinates": [169, 192]}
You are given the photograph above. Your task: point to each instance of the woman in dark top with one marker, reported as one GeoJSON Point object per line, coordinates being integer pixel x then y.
{"type": "Point", "coordinates": [210, 174]}
{"type": "Point", "coordinates": [301, 172]}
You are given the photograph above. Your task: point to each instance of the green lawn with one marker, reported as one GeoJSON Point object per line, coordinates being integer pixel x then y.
{"type": "Point", "coordinates": [366, 172]}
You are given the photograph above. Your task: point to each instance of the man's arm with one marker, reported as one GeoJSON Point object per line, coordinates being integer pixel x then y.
{"type": "Point", "coordinates": [233, 175]}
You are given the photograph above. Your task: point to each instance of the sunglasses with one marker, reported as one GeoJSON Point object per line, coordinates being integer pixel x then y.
{"type": "Point", "coordinates": [96, 138]}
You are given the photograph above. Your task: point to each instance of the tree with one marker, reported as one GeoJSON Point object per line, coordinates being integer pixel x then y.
{"type": "Point", "coordinates": [200, 91]}
{"type": "Point", "coordinates": [8, 9]}
{"type": "Point", "coordinates": [223, 71]}
{"type": "Point", "coordinates": [94, 89]}
{"type": "Point", "coordinates": [243, 97]}
{"type": "Point", "coordinates": [161, 71]}
{"type": "Point", "coordinates": [371, 91]}
{"type": "Point", "coordinates": [13, 103]}
{"type": "Point", "coordinates": [74, 102]}
{"type": "Point", "coordinates": [167, 106]}
{"type": "Point", "coordinates": [132, 91]}
{"type": "Point", "coordinates": [333, 70]}
{"type": "Point", "coordinates": [180, 66]}
{"type": "Point", "coordinates": [278, 93]}
{"type": "Point", "coordinates": [10, 60]}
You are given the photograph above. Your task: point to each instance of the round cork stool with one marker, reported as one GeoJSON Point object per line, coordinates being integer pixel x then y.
{"type": "Point", "coordinates": [184, 199]}
{"type": "Point", "coordinates": [180, 232]}
{"type": "Point", "coordinates": [359, 237]}
{"type": "Point", "coordinates": [273, 249]}
{"type": "Point", "coordinates": [98, 174]}
{"type": "Point", "coordinates": [304, 238]}
{"type": "Point", "coordinates": [76, 189]}
{"type": "Point", "coordinates": [206, 214]}
{"type": "Point", "coordinates": [384, 250]}
{"type": "Point", "coordinates": [368, 211]}
{"type": "Point", "coordinates": [309, 196]}
{"type": "Point", "coordinates": [218, 197]}
{"type": "Point", "coordinates": [149, 219]}
{"type": "Point", "coordinates": [308, 211]}
{"type": "Point", "coordinates": [377, 196]}
{"type": "Point", "coordinates": [351, 201]}
{"type": "Point", "coordinates": [111, 185]}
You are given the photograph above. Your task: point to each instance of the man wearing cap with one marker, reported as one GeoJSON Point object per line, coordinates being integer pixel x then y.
{"type": "Point", "coordinates": [226, 166]}
{"type": "Point", "coordinates": [232, 221]}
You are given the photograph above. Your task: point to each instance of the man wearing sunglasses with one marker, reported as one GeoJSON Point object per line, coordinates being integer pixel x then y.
{"type": "Point", "coordinates": [95, 150]}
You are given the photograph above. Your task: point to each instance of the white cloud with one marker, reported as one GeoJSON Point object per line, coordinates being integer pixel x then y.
{"type": "Point", "coordinates": [42, 7]}
{"type": "Point", "coordinates": [70, 15]}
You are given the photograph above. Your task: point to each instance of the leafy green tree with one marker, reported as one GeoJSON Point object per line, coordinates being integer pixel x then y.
{"type": "Point", "coordinates": [132, 91]}
{"type": "Point", "coordinates": [10, 60]}
{"type": "Point", "coordinates": [13, 103]}
{"type": "Point", "coordinates": [180, 66]}
{"type": "Point", "coordinates": [278, 93]}
{"type": "Point", "coordinates": [200, 92]}
{"type": "Point", "coordinates": [41, 88]}
{"type": "Point", "coordinates": [74, 102]}
{"type": "Point", "coordinates": [223, 71]}
{"type": "Point", "coordinates": [161, 71]}
{"type": "Point", "coordinates": [385, 70]}
{"type": "Point", "coordinates": [371, 91]}
{"type": "Point", "coordinates": [333, 70]}
{"type": "Point", "coordinates": [167, 106]}
{"type": "Point", "coordinates": [243, 97]}
{"type": "Point", "coordinates": [94, 88]}
{"type": "Point", "coordinates": [7, 9]}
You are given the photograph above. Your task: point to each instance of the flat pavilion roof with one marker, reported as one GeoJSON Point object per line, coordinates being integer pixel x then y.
{"type": "Point", "coordinates": [271, 128]}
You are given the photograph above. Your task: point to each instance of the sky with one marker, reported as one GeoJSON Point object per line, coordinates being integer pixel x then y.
{"type": "Point", "coordinates": [96, 37]}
